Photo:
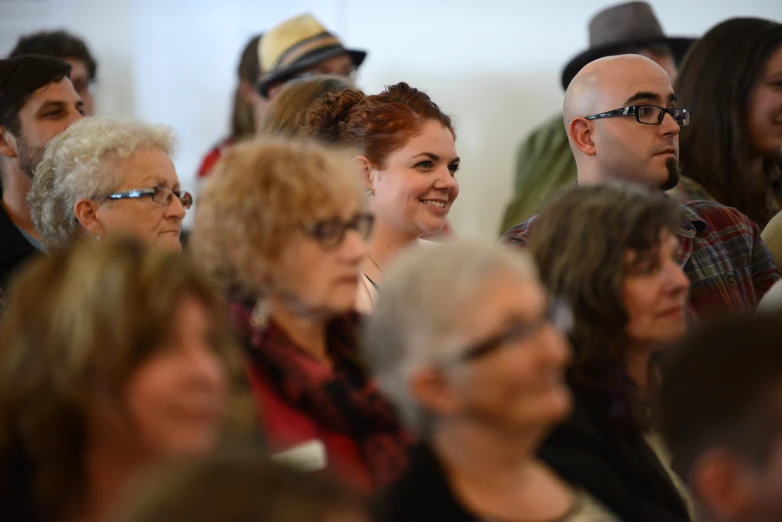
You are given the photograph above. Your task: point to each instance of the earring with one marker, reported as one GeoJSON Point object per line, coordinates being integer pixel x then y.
{"type": "Point", "coordinates": [260, 315]}
{"type": "Point", "coordinates": [370, 192]}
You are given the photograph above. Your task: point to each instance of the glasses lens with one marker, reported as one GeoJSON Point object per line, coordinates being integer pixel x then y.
{"type": "Point", "coordinates": [162, 196]}
{"type": "Point", "coordinates": [186, 198]}
{"type": "Point", "coordinates": [682, 116]}
{"type": "Point", "coordinates": [329, 232]}
{"type": "Point", "coordinates": [649, 114]}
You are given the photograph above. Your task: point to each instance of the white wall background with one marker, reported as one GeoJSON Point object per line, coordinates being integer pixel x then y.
{"type": "Point", "coordinates": [492, 64]}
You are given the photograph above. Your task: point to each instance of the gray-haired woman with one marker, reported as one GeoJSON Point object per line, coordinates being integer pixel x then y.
{"type": "Point", "coordinates": [465, 341]}
{"type": "Point", "coordinates": [106, 176]}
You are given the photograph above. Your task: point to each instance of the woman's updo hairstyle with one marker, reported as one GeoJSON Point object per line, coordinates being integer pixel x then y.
{"type": "Point", "coordinates": [375, 125]}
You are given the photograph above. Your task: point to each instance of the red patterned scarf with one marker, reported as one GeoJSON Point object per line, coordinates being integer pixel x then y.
{"type": "Point", "coordinates": [344, 400]}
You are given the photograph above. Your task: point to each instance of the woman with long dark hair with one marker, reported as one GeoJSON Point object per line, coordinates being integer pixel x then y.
{"type": "Point", "coordinates": [731, 79]}
{"type": "Point", "coordinates": [610, 251]}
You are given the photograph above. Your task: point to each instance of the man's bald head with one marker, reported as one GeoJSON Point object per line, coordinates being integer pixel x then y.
{"type": "Point", "coordinates": [619, 147]}
{"type": "Point", "coordinates": [606, 83]}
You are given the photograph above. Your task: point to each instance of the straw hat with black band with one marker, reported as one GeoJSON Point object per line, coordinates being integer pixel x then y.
{"type": "Point", "coordinates": [620, 26]}
{"type": "Point", "coordinates": [296, 45]}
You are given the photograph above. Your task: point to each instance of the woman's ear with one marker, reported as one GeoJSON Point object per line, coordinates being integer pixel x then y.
{"type": "Point", "coordinates": [366, 172]}
{"type": "Point", "coordinates": [723, 484]}
{"type": "Point", "coordinates": [431, 388]}
{"type": "Point", "coordinates": [86, 212]}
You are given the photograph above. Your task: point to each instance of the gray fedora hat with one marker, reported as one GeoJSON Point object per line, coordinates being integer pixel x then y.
{"type": "Point", "coordinates": [619, 26]}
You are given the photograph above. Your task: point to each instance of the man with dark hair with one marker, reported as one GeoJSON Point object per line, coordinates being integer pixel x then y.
{"type": "Point", "coordinates": [68, 48]}
{"type": "Point", "coordinates": [721, 410]}
{"type": "Point", "coordinates": [37, 102]}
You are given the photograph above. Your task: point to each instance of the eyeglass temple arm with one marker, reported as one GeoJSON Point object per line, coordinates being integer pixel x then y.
{"type": "Point", "coordinates": [623, 111]}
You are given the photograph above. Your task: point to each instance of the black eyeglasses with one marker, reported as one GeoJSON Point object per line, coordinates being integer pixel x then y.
{"type": "Point", "coordinates": [648, 114]}
{"type": "Point", "coordinates": [331, 232]}
{"type": "Point", "coordinates": [160, 195]}
{"type": "Point", "coordinates": [558, 314]}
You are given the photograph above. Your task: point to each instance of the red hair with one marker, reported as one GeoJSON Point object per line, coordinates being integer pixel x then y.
{"type": "Point", "coordinates": [377, 125]}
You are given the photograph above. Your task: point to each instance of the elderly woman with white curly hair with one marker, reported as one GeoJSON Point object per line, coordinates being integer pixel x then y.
{"type": "Point", "coordinates": [107, 176]}
{"type": "Point", "coordinates": [467, 344]}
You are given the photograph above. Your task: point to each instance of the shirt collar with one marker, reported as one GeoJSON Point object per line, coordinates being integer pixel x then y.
{"type": "Point", "coordinates": [692, 224]}
{"type": "Point", "coordinates": [30, 239]}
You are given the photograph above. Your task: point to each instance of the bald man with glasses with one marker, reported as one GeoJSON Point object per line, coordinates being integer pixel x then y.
{"type": "Point", "coordinates": [622, 122]}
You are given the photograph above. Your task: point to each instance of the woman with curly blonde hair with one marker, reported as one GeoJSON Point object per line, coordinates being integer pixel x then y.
{"type": "Point", "coordinates": [284, 225]}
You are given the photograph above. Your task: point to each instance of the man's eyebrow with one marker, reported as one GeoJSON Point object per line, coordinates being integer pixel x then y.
{"type": "Point", "coordinates": [52, 104]}
{"type": "Point", "coordinates": [643, 96]}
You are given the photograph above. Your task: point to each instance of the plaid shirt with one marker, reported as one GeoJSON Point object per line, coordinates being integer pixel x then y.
{"type": "Point", "coordinates": [690, 190]}
{"type": "Point", "coordinates": [721, 251]}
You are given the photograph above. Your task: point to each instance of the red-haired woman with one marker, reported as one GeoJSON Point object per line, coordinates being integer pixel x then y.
{"type": "Point", "coordinates": [406, 152]}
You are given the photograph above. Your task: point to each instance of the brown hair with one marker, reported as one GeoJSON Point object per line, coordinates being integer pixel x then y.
{"type": "Point", "coordinates": [105, 308]}
{"type": "Point", "coordinates": [376, 125]}
{"type": "Point", "coordinates": [580, 241]}
{"type": "Point", "coordinates": [240, 487]}
{"type": "Point", "coordinates": [283, 113]}
{"type": "Point", "coordinates": [716, 82]}
{"type": "Point", "coordinates": [249, 70]}
{"type": "Point", "coordinates": [57, 44]}
{"type": "Point", "coordinates": [260, 193]}
{"type": "Point", "coordinates": [721, 390]}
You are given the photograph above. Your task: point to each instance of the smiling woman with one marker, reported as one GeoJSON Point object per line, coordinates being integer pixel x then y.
{"type": "Point", "coordinates": [105, 176]}
{"type": "Point", "coordinates": [476, 363]}
{"type": "Point", "coordinates": [134, 366]}
{"type": "Point", "coordinates": [405, 150]}
{"type": "Point", "coordinates": [732, 152]}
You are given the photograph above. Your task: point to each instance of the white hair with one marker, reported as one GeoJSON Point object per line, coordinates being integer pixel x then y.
{"type": "Point", "coordinates": [420, 311]}
{"type": "Point", "coordinates": [77, 165]}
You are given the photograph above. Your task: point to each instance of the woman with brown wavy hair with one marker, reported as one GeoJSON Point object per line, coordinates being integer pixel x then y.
{"type": "Point", "coordinates": [113, 357]}
{"type": "Point", "coordinates": [731, 79]}
{"type": "Point", "coordinates": [610, 251]}
{"type": "Point", "coordinates": [405, 148]}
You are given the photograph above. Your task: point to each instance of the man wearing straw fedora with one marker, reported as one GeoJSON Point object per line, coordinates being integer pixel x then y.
{"type": "Point", "coordinates": [300, 46]}
{"type": "Point", "coordinates": [544, 161]}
